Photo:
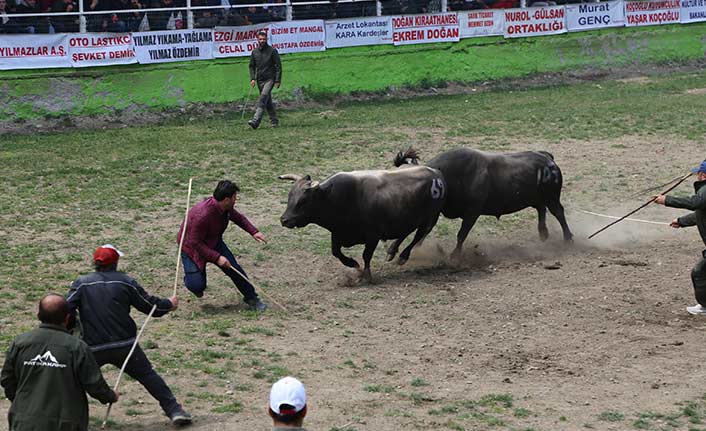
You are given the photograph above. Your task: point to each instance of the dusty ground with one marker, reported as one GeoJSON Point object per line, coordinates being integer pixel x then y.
{"type": "Point", "coordinates": [570, 332]}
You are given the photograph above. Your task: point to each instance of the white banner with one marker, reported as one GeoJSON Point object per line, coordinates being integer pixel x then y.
{"type": "Point", "coordinates": [235, 41]}
{"type": "Point", "coordinates": [587, 16]}
{"type": "Point", "coordinates": [693, 10]}
{"type": "Point", "coordinates": [298, 36]}
{"type": "Point", "coordinates": [486, 22]}
{"type": "Point", "coordinates": [638, 13]}
{"type": "Point", "coordinates": [358, 31]}
{"type": "Point", "coordinates": [427, 28]}
{"type": "Point", "coordinates": [173, 45]}
{"type": "Point", "coordinates": [34, 51]}
{"type": "Point", "coordinates": [100, 49]}
{"type": "Point", "coordinates": [534, 21]}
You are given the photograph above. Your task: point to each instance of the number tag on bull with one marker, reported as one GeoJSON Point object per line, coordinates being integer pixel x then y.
{"type": "Point", "coordinates": [437, 188]}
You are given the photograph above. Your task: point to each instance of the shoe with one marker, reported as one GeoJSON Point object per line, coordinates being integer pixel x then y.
{"type": "Point", "coordinates": [256, 305]}
{"type": "Point", "coordinates": [696, 309]}
{"type": "Point", "coordinates": [254, 124]}
{"type": "Point", "coordinates": [275, 123]}
{"type": "Point", "coordinates": [180, 418]}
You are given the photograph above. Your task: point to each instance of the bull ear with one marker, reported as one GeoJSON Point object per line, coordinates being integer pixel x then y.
{"type": "Point", "coordinates": [314, 184]}
{"type": "Point", "coordinates": [290, 177]}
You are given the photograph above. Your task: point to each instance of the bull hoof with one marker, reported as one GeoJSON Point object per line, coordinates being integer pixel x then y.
{"type": "Point", "coordinates": [401, 261]}
{"type": "Point", "coordinates": [389, 257]}
{"type": "Point", "coordinates": [543, 236]}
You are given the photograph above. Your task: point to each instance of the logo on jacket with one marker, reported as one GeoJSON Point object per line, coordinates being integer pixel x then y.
{"type": "Point", "coordinates": [45, 360]}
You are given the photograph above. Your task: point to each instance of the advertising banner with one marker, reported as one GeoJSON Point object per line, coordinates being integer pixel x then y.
{"type": "Point", "coordinates": [475, 23]}
{"type": "Point", "coordinates": [693, 11]}
{"type": "Point", "coordinates": [173, 45]}
{"type": "Point", "coordinates": [358, 32]}
{"type": "Point", "coordinates": [97, 49]}
{"type": "Point", "coordinates": [298, 36]}
{"type": "Point", "coordinates": [34, 51]}
{"type": "Point", "coordinates": [638, 13]}
{"type": "Point", "coordinates": [589, 16]}
{"type": "Point", "coordinates": [236, 41]}
{"type": "Point", "coordinates": [427, 28]}
{"type": "Point", "coordinates": [534, 21]}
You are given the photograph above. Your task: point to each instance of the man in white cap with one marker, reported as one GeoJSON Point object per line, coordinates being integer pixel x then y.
{"type": "Point", "coordinates": [697, 204]}
{"type": "Point", "coordinates": [288, 405]}
{"type": "Point", "coordinates": [103, 299]}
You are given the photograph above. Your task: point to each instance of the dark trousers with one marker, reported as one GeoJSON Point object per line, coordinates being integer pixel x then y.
{"type": "Point", "coordinates": [264, 102]}
{"type": "Point", "coordinates": [698, 278]}
{"type": "Point", "coordinates": [140, 369]}
{"type": "Point", "coordinates": [195, 279]}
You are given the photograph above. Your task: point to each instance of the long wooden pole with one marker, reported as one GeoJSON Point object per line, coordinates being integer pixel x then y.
{"type": "Point", "coordinates": [154, 307]}
{"type": "Point", "coordinates": [641, 206]}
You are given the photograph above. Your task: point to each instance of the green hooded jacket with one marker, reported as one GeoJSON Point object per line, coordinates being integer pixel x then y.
{"type": "Point", "coordinates": [696, 203]}
{"type": "Point", "coordinates": [46, 375]}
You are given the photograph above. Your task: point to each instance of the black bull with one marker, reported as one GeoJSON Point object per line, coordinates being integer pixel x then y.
{"type": "Point", "coordinates": [364, 207]}
{"type": "Point", "coordinates": [480, 183]}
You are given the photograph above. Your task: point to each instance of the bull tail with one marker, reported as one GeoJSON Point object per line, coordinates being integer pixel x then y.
{"type": "Point", "coordinates": [409, 157]}
{"type": "Point", "coordinates": [546, 153]}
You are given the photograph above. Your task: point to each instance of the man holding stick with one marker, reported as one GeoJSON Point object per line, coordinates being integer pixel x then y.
{"type": "Point", "coordinates": [697, 204]}
{"type": "Point", "coordinates": [203, 243]}
{"type": "Point", "coordinates": [266, 72]}
{"type": "Point", "coordinates": [47, 373]}
{"type": "Point", "coordinates": [103, 300]}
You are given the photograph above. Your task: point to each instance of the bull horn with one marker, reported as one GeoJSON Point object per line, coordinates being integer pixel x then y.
{"type": "Point", "coordinates": [290, 177]}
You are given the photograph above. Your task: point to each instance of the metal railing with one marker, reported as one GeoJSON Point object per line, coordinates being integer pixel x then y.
{"type": "Point", "coordinates": [225, 9]}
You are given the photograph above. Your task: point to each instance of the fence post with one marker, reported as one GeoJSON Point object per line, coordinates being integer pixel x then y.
{"type": "Point", "coordinates": [378, 8]}
{"type": "Point", "coordinates": [289, 10]}
{"type": "Point", "coordinates": [81, 18]}
{"type": "Point", "coordinates": [189, 16]}
{"type": "Point", "coordinates": [444, 5]}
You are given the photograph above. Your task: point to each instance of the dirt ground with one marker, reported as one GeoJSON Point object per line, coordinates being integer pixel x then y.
{"type": "Point", "coordinates": [571, 332]}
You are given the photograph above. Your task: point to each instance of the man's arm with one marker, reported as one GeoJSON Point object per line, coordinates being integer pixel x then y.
{"type": "Point", "coordinates": [90, 377]}
{"type": "Point", "coordinates": [693, 203]}
{"type": "Point", "coordinates": [73, 299]}
{"type": "Point", "coordinates": [195, 239]}
{"type": "Point", "coordinates": [278, 67]}
{"type": "Point", "coordinates": [253, 66]}
{"type": "Point", "coordinates": [144, 302]}
{"type": "Point", "coordinates": [7, 378]}
{"type": "Point", "coordinates": [687, 220]}
{"type": "Point", "coordinates": [242, 221]}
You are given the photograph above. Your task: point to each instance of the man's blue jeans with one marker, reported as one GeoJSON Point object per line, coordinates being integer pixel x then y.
{"type": "Point", "coordinates": [195, 279]}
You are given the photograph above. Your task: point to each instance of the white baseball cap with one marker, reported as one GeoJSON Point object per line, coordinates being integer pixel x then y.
{"type": "Point", "coordinates": [289, 391]}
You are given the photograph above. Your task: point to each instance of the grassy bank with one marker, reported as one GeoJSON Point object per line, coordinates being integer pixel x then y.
{"type": "Point", "coordinates": [32, 93]}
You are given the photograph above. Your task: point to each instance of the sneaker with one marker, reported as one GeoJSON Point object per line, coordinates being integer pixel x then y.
{"type": "Point", "coordinates": [180, 418]}
{"type": "Point", "coordinates": [275, 123]}
{"type": "Point", "coordinates": [696, 309]}
{"type": "Point", "coordinates": [254, 124]}
{"type": "Point", "coordinates": [256, 305]}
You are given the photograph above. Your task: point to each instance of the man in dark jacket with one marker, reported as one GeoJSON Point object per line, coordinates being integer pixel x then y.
{"type": "Point", "coordinates": [697, 204]}
{"type": "Point", "coordinates": [47, 373]}
{"type": "Point", "coordinates": [103, 300]}
{"type": "Point", "coordinates": [266, 71]}
{"type": "Point", "coordinates": [203, 243]}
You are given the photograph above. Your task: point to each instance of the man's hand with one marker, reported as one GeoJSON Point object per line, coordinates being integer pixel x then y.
{"type": "Point", "coordinates": [223, 262]}
{"type": "Point", "coordinates": [117, 396]}
{"type": "Point", "coordinates": [675, 224]}
{"type": "Point", "coordinates": [252, 82]}
{"type": "Point", "coordinates": [260, 237]}
{"type": "Point", "coordinates": [660, 199]}
{"type": "Point", "coordinates": [277, 84]}
{"type": "Point", "coordinates": [175, 302]}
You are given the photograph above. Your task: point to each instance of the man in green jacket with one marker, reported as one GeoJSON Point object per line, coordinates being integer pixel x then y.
{"type": "Point", "coordinates": [47, 373]}
{"type": "Point", "coordinates": [697, 204]}
{"type": "Point", "coordinates": [266, 71]}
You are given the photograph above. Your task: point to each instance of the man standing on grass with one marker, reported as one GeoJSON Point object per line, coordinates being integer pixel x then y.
{"type": "Point", "coordinates": [266, 72]}
{"type": "Point", "coordinates": [203, 243]}
{"type": "Point", "coordinates": [697, 204]}
{"type": "Point", "coordinates": [103, 300]}
{"type": "Point", "coordinates": [288, 405]}
{"type": "Point", "coordinates": [47, 373]}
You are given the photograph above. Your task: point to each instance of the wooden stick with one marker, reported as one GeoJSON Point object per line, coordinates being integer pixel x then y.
{"type": "Point", "coordinates": [154, 307]}
{"type": "Point", "coordinates": [127, 358]}
{"type": "Point", "coordinates": [181, 241]}
{"type": "Point", "coordinates": [641, 206]}
{"type": "Point", "coordinates": [626, 219]}
{"type": "Point", "coordinates": [269, 298]}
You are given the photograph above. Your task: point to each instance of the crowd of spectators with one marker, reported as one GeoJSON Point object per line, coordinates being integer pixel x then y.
{"type": "Point", "coordinates": [230, 14]}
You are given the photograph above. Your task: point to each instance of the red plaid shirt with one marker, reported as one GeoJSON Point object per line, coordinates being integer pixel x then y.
{"type": "Point", "coordinates": [205, 228]}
